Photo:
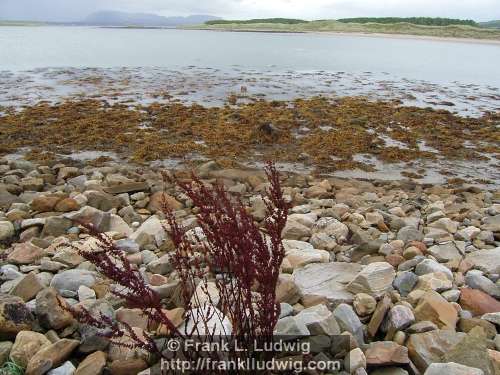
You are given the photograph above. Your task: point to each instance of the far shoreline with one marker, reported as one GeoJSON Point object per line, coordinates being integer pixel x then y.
{"type": "Point", "coordinates": [359, 34]}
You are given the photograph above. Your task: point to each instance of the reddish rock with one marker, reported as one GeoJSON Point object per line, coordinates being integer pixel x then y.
{"type": "Point", "coordinates": [44, 203]}
{"type": "Point", "coordinates": [67, 205]}
{"type": "Point", "coordinates": [394, 259]}
{"type": "Point", "coordinates": [384, 353]}
{"type": "Point", "coordinates": [156, 202]}
{"type": "Point", "coordinates": [478, 302]}
{"type": "Point", "coordinates": [25, 253]}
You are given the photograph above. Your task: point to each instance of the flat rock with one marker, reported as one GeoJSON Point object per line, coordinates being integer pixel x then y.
{"type": "Point", "coordinates": [326, 281]}
{"type": "Point", "coordinates": [27, 344]}
{"type": "Point", "coordinates": [485, 260]}
{"type": "Point", "coordinates": [93, 364]}
{"type": "Point", "coordinates": [51, 356]}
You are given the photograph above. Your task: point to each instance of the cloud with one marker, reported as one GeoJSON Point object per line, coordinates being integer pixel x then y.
{"type": "Point", "coordinates": [68, 10]}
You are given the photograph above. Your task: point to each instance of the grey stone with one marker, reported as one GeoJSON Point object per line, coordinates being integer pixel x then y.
{"type": "Point", "coordinates": [410, 233]}
{"type": "Point", "coordinates": [349, 321]}
{"type": "Point", "coordinates": [72, 279]}
{"type": "Point", "coordinates": [405, 282]}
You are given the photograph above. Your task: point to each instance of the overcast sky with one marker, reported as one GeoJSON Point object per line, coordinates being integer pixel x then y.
{"type": "Point", "coordinates": [73, 10]}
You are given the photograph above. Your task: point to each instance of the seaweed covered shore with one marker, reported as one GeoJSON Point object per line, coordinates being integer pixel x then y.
{"type": "Point", "coordinates": [320, 133]}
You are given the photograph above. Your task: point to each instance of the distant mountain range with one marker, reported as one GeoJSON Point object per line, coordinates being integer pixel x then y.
{"type": "Point", "coordinates": [115, 18]}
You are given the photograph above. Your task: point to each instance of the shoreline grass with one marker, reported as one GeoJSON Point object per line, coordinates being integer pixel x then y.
{"type": "Point", "coordinates": [331, 26]}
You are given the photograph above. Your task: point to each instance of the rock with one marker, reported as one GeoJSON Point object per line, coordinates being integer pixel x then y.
{"type": "Point", "coordinates": [437, 281]}
{"type": "Point", "coordinates": [91, 337]}
{"type": "Point", "coordinates": [468, 234]}
{"type": "Point", "coordinates": [50, 356]}
{"type": "Point", "coordinates": [7, 230]}
{"type": "Point", "coordinates": [383, 353]}
{"type": "Point", "coordinates": [399, 318]}
{"type": "Point", "coordinates": [6, 199]}
{"type": "Point", "coordinates": [409, 233]}
{"type": "Point", "coordinates": [445, 224]}
{"type": "Point", "coordinates": [66, 369]}
{"type": "Point", "coordinates": [93, 364]}
{"type": "Point", "coordinates": [467, 324]}
{"type": "Point", "coordinates": [44, 203]}
{"type": "Point", "coordinates": [325, 282]}
{"type": "Point", "coordinates": [492, 317]}
{"type": "Point", "coordinates": [25, 253]}
{"type": "Point", "coordinates": [378, 316]}
{"type": "Point", "coordinates": [448, 251]}
{"type": "Point", "coordinates": [486, 260]}
{"type": "Point", "coordinates": [432, 307]}
{"type": "Point", "coordinates": [49, 311]}
{"type": "Point", "coordinates": [151, 231]}
{"type": "Point", "coordinates": [85, 293]}
{"type": "Point", "coordinates": [471, 351]}
{"type": "Point", "coordinates": [91, 216]}
{"type": "Point", "coordinates": [157, 199]}
{"type": "Point", "coordinates": [331, 227]}
{"type": "Point", "coordinates": [68, 172]}
{"type": "Point", "coordinates": [431, 266]}
{"type": "Point", "coordinates": [295, 231]}
{"type": "Point", "coordinates": [26, 345]}
{"type": "Point", "coordinates": [100, 200]}
{"type": "Point", "coordinates": [405, 282]}
{"type": "Point", "coordinates": [452, 368]}
{"type": "Point", "coordinates": [349, 321]}
{"type": "Point", "coordinates": [72, 279]}
{"type": "Point", "coordinates": [478, 302]}
{"type": "Point", "coordinates": [290, 327]}
{"type": "Point", "coordinates": [67, 205]}
{"type": "Point", "coordinates": [491, 223]}
{"type": "Point", "coordinates": [319, 320]}
{"type": "Point", "coordinates": [303, 255]}
{"type": "Point", "coordinates": [130, 366]}
{"type": "Point", "coordinates": [475, 279]}
{"type": "Point", "coordinates": [429, 347]}
{"type": "Point", "coordinates": [27, 288]}
{"type": "Point", "coordinates": [32, 184]}
{"type": "Point", "coordinates": [56, 226]}
{"type": "Point", "coordinates": [14, 316]}
{"type": "Point", "coordinates": [375, 279]}
{"type": "Point", "coordinates": [197, 321]}
{"type": "Point", "coordinates": [364, 304]}
{"type": "Point", "coordinates": [354, 360]}
{"type": "Point", "coordinates": [422, 327]}
{"type": "Point", "coordinates": [286, 290]}
{"type": "Point", "coordinates": [127, 187]}
{"type": "Point", "coordinates": [5, 348]}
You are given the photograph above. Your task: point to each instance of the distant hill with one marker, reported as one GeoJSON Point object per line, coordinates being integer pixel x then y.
{"type": "Point", "coordinates": [426, 21]}
{"type": "Point", "coordinates": [115, 18]}
{"type": "Point", "coordinates": [285, 21]}
{"type": "Point", "coordinates": [490, 24]}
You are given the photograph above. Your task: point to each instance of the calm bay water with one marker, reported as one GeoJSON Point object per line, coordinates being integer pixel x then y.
{"type": "Point", "coordinates": [25, 48]}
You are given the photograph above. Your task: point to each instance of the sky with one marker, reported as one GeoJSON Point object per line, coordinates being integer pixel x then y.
{"type": "Point", "coordinates": [75, 10]}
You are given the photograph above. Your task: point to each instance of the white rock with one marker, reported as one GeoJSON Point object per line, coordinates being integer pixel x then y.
{"type": "Point", "coordinates": [375, 279]}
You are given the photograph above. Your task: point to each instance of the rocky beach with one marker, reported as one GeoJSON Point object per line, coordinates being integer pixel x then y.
{"type": "Point", "coordinates": [408, 271]}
